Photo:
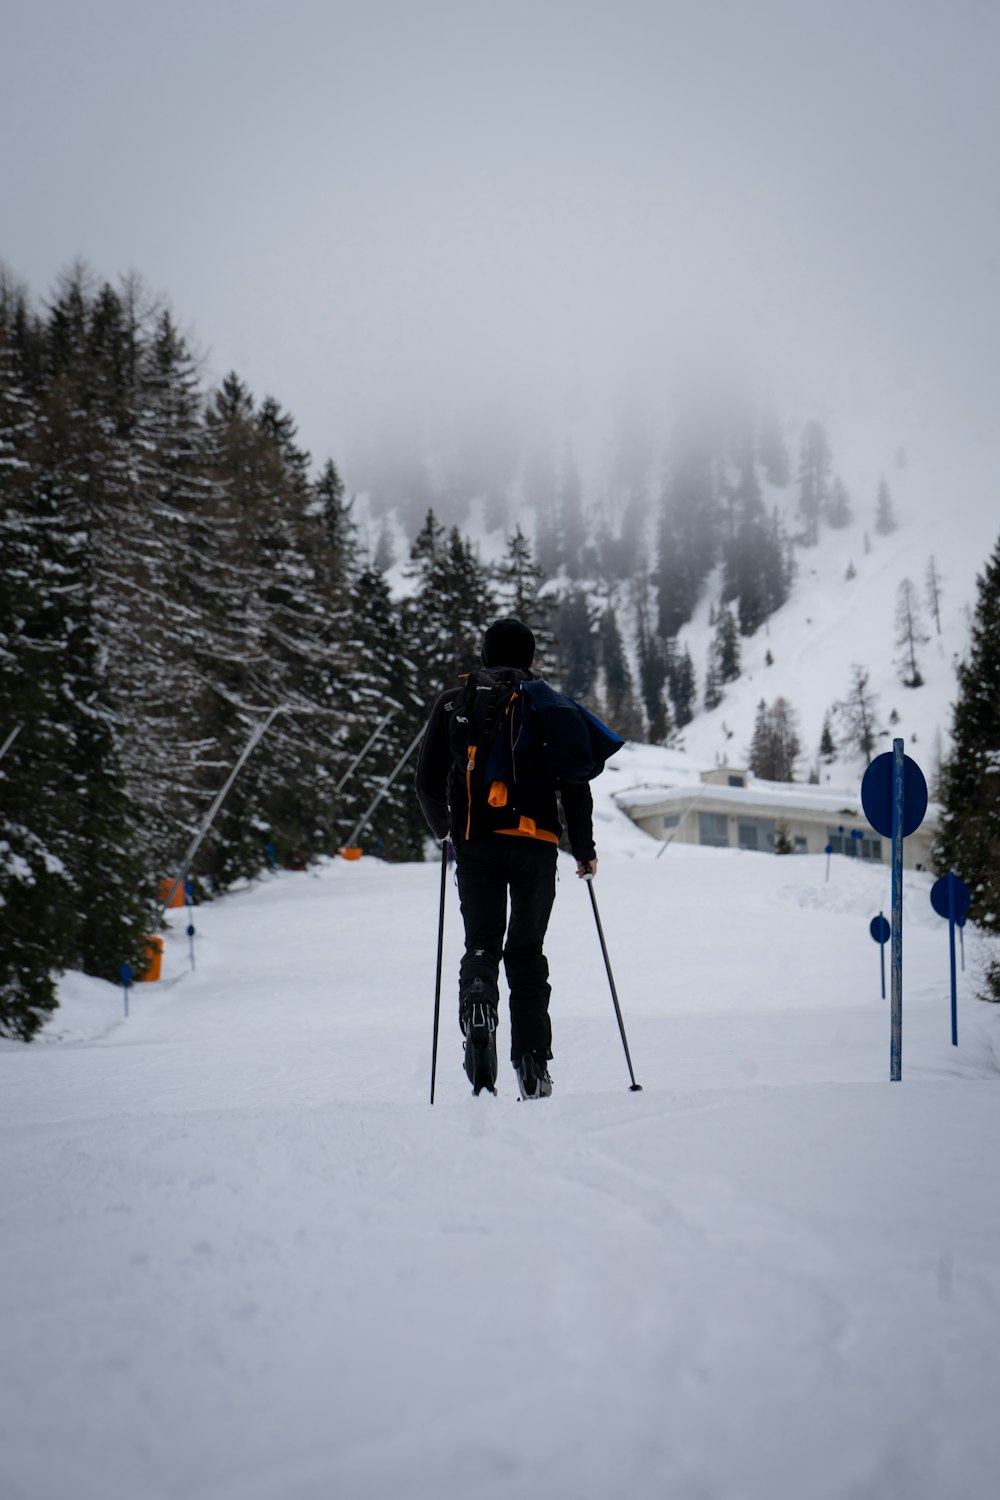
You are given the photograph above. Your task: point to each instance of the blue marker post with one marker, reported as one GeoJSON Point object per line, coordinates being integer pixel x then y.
{"type": "Point", "coordinates": [856, 836]}
{"type": "Point", "coordinates": [189, 897]}
{"type": "Point", "coordinates": [880, 931]}
{"type": "Point", "coordinates": [951, 958]}
{"type": "Point", "coordinates": [828, 851]}
{"type": "Point", "coordinates": [951, 898]}
{"type": "Point", "coordinates": [898, 805]}
{"type": "Point", "coordinates": [126, 979]}
{"type": "Point", "coordinates": [894, 797]}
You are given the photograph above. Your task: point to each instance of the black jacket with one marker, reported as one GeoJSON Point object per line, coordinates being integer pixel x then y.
{"type": "Point", "coordinates": [441, 791]}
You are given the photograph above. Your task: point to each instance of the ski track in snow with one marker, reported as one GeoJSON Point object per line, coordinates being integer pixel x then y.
{"type": "Point", "coordinates": [243, 1258]}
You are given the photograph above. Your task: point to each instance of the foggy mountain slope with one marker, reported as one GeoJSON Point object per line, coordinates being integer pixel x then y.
{"type": "Point", "coordinates": [830, 623]}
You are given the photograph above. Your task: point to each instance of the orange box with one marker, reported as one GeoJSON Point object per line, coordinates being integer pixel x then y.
{"type": "Point", "coordinates": [154, 959]}
{"type": "Point", "coordinates": [350, 853]}
{"type": "Point", "coordinates": [178, 894]}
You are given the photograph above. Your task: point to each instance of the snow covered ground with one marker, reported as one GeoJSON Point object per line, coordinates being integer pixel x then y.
{"type": "Point", "coordinates": [243, 1259]}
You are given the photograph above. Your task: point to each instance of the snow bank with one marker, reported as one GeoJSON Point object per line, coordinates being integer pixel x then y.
{"type": "Point", "coordinates": [245, 1260]}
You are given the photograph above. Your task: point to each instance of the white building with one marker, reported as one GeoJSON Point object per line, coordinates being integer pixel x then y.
{"type": "Point", "coordinates": [730, 809]}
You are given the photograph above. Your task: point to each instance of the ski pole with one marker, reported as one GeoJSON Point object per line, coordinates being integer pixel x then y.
{"type": "Point", "coordinates": [437, 982]}
{"type": "Point", "coordinates": [636, 1088]}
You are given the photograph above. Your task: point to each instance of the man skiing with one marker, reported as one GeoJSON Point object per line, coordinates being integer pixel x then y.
{"type": "Point", "coordinates": [503, 843]}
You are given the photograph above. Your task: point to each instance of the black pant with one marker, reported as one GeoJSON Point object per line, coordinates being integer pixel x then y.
{"type": "Point", "coordinates": [487, 868]}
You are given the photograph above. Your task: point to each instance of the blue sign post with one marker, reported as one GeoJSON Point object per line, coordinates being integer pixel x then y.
{"type": "Point", "coordinates": [951, 898]}
{"type": "Point", "coordinates": [828, 851]}
{"type": "Point", "coordinates": [880, 931]}
{"type": "Point", "coordinates": [125, 973]}
{"type": "Point", "coordinates": [189, 898]}
{"type": "Point", "coordinates": [894, 797]}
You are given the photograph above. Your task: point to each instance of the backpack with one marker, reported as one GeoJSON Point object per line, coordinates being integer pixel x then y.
{"type": "Point", "coordinates": [513, 737]}
{"type": "Point", "coordinates": [574, 743]}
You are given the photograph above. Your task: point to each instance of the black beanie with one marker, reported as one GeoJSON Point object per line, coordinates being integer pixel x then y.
{"type": "Point", "coordinates": [508, 643]}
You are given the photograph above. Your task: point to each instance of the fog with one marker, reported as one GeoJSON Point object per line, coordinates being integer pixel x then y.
{"type": "Point", "coordinates": [407, 220]}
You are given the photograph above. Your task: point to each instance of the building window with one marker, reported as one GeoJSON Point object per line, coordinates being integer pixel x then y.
{"type": "Point", "coordinates": [737, 781]}
{"type": "Point", "coordinates": [756, 833]}
{"type": "Point", "coordinates": [713, 829]}
{"type": "Point", "coordinates": [801, 844]}
{"type": "Point", "coordinates": [862, 848]}
{"type": "Point", "coordinates": [671, 820]}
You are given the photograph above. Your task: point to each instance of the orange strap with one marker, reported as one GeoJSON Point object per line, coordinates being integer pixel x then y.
{"type": "Point", "coordinates": [528, 829]}
{"type": "Point", "coordinates": [468, 790]}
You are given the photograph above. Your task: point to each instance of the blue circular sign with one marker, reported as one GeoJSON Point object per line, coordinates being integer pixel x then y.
{"type": "Point", "coordinates": [880, 929]}
{"type": "Point", "coordinates": [828, 849]}
{"type": "Point", "coordinates": [876, 795]}
{"type": "Point", "coordinates": [939, 896]}
{"type": "Point", "coordinates": [126, 974]}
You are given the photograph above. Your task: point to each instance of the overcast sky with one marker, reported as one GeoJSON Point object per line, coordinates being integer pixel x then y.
{"type": "Point", "coordinates": [383, 209]}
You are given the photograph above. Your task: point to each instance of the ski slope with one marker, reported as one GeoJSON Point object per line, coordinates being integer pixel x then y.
{"type": "Point", "coordinates": [244, 1259]}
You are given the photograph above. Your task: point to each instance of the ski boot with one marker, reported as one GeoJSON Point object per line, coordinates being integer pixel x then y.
{"type": "Point", "coordinates": [533, 1079]}
{"type": "Point", "coordinates": [478, 1018]}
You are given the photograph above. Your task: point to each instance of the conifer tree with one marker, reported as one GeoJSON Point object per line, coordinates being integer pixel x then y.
{"type": "Point", "coordinates": [857, 715]}
{"type": "Point", "coordinates": [726, 647]}
{"type": "Point", "coordinates": [755, 575]}
{"type": "Point", "coordinates": [572, 524]}
{"type": "Point", "coordinates": [653, 664]}
{"type": "Point", "coordinates": [36, 896]}
{"type": "Point", "coordinates": [885, 515]}
{"type": "Point", "coordinates": [453, 603]}
{"type": "Point", "coordinates": [619, 700]}
{"type": "Point", "coordinates": [771, 449]}
{"type": "Point", "coordinates": [969, 841]}
{"type": "Point", "coordinates": [932, 585]}
{"type": "Point", "coordinates": [339, 531]}
{"type": "Point", "coordinates": [68, 812]}
{"type": "Point", "coordinates": [171, 572]}
{"type": "Point", "coordinates": [838, 508]}
{"type": "Point", "coordinates": [539, 486]}
{"type": "Point", "coordinates": [687, 537]}
{"type": "Point", "coordinates": [576, 645]}
{"type": "Point", "coordinates": [827, 745]}
{"type": "Point", "coordinates": [814, 479]}
{"type": "Point", "coordinates": [385, 682]}
{"type": "Point", "coordinates": [292, 653]}
{"type": "Point", "coordinates": [776, 744]}
{"type": "Point", "coordinates": [909, 633]}
{"type": "Point", "coordinates": [385, 554]}
{"type": "Point", "coordinates": [713, 689]}
{"type": "Point", "coordinates": [519, 592]}
{"type": "Point", "coordinates": [682, 684]}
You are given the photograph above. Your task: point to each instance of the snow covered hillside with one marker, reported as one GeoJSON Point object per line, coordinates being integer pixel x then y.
{"type": "Point", "coordinates": [244, 1259]}
{"type": "Point", "coordinates": [832, 621]}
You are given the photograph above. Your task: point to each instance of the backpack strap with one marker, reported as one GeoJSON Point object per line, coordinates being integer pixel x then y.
{"type": "Point", "coordinates": [486, 703]}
